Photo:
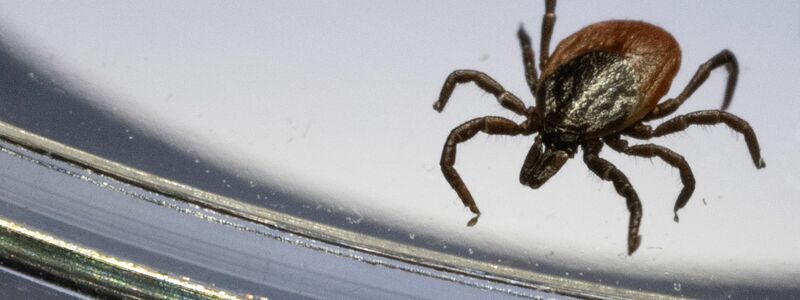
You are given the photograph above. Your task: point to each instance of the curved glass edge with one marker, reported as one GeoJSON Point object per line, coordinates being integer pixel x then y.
{"type": "Point", "coordinates": [89, 270]}
{"type": "Point", "coordinates": [322, 232]}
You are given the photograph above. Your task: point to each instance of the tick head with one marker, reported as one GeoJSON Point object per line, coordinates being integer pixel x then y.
{"type": "Point", "coordinates": [541, 164]}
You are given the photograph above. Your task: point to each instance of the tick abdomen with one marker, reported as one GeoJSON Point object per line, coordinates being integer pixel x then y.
{"type": "Point", "coordinates": [641, 55]}
{"type": "Point", "coordinates": [591, 93]}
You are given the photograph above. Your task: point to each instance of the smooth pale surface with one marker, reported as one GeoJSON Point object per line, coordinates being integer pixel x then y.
{"type": "Point", "coordinates": [333, 100]}
{"type": "Point", "coordinates": [181, 240]}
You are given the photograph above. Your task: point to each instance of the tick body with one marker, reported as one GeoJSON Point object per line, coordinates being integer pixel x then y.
{"type": "Point", "coordinates": [601, 84]}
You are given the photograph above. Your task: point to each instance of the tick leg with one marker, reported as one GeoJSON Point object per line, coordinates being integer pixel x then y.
{"type": "Point", "coordinates": [506, 99]}
{"type": "Point", "coordinates": [527, 59]}
{"type": "Point", "coordinates": [607, 171]}
{"type": "Point", "coordinates": [673, 159]}
{"type": "Point", "coordinates": [713, 117]}
{"type": "Point", "coordinates": [464, 132]}
{"type": "Point", "coordinates": [724, 58]}
{"type": "Point", "coordinates": [548, 22]}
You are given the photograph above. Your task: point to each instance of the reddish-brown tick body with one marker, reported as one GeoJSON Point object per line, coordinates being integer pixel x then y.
{"type": "Point", "coordinates": [601, 83]}
{"type": "Point", "coordinates": [643, 58]}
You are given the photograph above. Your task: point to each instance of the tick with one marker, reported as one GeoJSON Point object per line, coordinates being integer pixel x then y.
{"type": "Point", "coordinates": [601, 84]}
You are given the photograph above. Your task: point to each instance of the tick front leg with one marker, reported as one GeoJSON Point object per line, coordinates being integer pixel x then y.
{"type": "Point", "coordinates": [464, 132]}
{"type": "Point", "coordinates": [506, 99]}
{"type": "Point", "coordinates": [673, 159]}
{"type": "Point", "coordinates": [607, 171]}
{"type": "Point", "coordinates": [527, 59]}
{"type": "Point", "coordinates": [548, 22]}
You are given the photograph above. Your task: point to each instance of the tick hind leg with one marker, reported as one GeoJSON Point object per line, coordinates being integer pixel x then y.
{"type": "Point", "coordinates": [607, 171]}
{"type": "Point", "coordinates": [506, 98]}
{"type": "Point", "coordinates": [464, 132]}
{"type": "Point", "coordinates": [673, 159]}
{"type": "Point", "coordinates": [724, 58]}
{"type": "Point", "coordinates": [704, 117]}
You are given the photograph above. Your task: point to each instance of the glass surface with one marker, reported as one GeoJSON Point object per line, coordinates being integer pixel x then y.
{"type": "Point", "coordinates": [85, 231]}
{"type": "Point", "coordinates": [323, 110]}
{"type": "Point", "coordinates": [15, 285]}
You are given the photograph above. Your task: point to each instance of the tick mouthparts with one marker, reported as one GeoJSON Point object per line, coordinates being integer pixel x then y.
{"type": "Point", "coordinates": [541, 165]}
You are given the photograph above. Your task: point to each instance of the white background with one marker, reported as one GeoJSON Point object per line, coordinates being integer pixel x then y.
{"type": "Point", "coordinates": [333, 100]}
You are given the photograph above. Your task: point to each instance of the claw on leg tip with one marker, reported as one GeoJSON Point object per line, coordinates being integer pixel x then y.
{"type": "Point", "coordinates": [473, 221]}
{"type": "Point", "coordinates": [634, 244]}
